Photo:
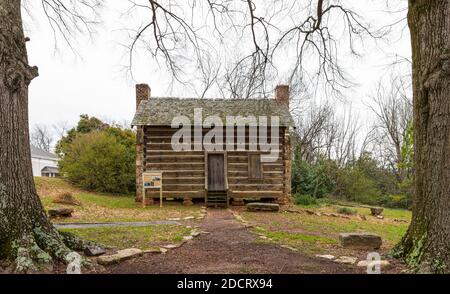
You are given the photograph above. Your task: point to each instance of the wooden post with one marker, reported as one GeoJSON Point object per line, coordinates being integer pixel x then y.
{"type": "Point", "coordinates": [160, 194]}
{"type": "Point", "coordinates": [143, 192]}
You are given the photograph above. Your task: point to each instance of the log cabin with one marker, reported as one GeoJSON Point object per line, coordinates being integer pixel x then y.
{"type": "Point", "coordinates": [220, 151]}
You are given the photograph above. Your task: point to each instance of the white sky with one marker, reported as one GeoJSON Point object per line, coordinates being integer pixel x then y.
{"type": "Point", "coordinates": [95, 84]}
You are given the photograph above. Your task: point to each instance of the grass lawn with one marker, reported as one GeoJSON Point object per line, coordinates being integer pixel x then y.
{"type": "Point", "coordinates": [136, 237]}
{"type": "Point", "coordinates": [97, 207]}
{"type": "Point", "coordinates": [319, 234]}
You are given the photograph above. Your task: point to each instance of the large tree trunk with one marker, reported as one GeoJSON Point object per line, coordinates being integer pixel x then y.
{"type": "Point", "coordinates": [25, 232]}
{"type": "Point", "coordinates": [426, 245]}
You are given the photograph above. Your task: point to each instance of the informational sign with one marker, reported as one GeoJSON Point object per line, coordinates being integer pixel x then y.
{"type": "Point", "coordinates": [152, 180]}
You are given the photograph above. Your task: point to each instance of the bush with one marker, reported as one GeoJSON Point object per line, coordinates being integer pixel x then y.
{"type": "Point", "coordinates": [355, 185]}
{"type": "Point", "coordinates": [347, 211]}
{"type": "Point", "coordinates": [102, 161]}
{"type": "Point", "coordinates": [396, 201]}
{"type": "Point", "coordinates": [301, 199]}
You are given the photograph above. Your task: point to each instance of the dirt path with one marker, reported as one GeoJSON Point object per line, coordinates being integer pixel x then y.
{"type": "Point", "coordinates": [229, 248]}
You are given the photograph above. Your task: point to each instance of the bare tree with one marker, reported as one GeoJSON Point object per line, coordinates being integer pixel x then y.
{"type": "Point", "coordinates": [41, 137]}
{"type": "Point", "coordinates": [312, 131]}
{"type": "Point", "coordinates": [61, 128]}
{"type": "Point", "coordinates": [393, 110]}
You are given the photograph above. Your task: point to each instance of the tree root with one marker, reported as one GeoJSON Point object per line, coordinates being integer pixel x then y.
{"type": "Point", "coordinates": [35, 250]}
{"type": "Point", "coordinates": [418, 256]}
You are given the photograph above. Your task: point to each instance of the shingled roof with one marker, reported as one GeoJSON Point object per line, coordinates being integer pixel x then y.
{"type": "Point", "coordinates": [161, 111]}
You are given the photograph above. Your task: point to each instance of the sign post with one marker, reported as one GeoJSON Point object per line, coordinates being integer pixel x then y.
{"type": "Point", "coordinates": [152, 180]}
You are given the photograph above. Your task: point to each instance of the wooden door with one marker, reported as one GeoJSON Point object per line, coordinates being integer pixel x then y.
{"type": "Point", "coordinates": [216, 172]}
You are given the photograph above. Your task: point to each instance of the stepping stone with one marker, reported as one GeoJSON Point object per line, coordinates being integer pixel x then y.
{"type": "Point", "coordinates": [171, 246]}
{"type": "Point", "coordinates": [152, 251]}
{"type": "Point", "coordinates": [187, 238]}
{"type": "Point", "coordinates": [326, 256]}
{"type": "Point", "coordinates": [289, 247]}
{"type": "Point", "coordinates": [121, 255]}
{"type": "Point", "coordinates": [346, 260]}
{"type": "Point", "coordinates": [256, 206]}
{"type": "Point", "coordinates": [94, 251]}
{"type": "Point", "coordinates": [60, 212]}
{"type": "Point", "coordinates": [195, 233]}
{"type": "Point", "coordinates": [360, 240]}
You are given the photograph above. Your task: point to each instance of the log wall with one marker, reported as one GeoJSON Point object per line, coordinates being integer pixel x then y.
{"type": "Point", "coordinates": [184, 171]}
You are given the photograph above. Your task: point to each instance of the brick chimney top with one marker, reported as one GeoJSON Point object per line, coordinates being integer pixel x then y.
{"type": "Point", "coordinates": [143, 92]}
{"type": "Point", "coordinates": [282, 94]}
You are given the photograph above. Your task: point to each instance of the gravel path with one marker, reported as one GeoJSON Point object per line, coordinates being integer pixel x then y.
{"type": "Point", "coordinates": [228, 248]}
{"type": "Point", "coordinates": [116, 224]}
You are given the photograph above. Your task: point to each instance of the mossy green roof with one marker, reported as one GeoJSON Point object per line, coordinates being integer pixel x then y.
{"type": "Point", "coordinates": [161, 111]}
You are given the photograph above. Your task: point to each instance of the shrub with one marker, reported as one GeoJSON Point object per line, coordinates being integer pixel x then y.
{"type": "Point", "coordinates": [396, 201]}
{"type": "Point", "coordinates": [304, 199]}
{"type": "Point", "coordinates": [355, 185]}
{"type": "Point", "coordinates": [347, 211]}
{"type": "Point", "coordinates": [102, 161]}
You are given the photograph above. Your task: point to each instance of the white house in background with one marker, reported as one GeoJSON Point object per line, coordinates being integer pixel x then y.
{"type": "Point", "coordinates": [45, 164]}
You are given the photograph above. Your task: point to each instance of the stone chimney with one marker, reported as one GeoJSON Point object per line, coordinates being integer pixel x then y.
{"type": "Point", "coordinates": [143, 92]}
{"type": "Point", "coordinates": [282, 94]}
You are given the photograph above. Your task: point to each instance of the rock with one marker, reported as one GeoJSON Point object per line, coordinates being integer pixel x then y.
{"type": "Point", "coordinates": [60, 212]}
{"type": "Point", "coordinates": [174, 219]}
{"type": "Point", "coordinates": [187, 238]}
{"type": "Point", "coordinates": [195, 233]}
{"type": "Point", "coordinates": [400, 220]}
{"type": "Point", "coordinates": [66, 198]}
{"type": "Point", "coordinates": [263, 237]}
{"type": "Point", "coordinates": [366, 263]}
{"type": "Point", "coordinates": [94, 251]}
{"type": "Point", "coordinates": [326, 256]}
{"type": "Point", "coordinates": [255, 206]}
{"type": "Point", "coordinates": [346, 259]}
{"type": "Point", "coordinates": [375, 211]}
{"type": "Point", "coordinates": [360, 240]}
{"type": "Point", "coordinates": [188, 217]}
{"type": "Point", "coordinates": [121, 255]}
{"type": "Point", "coordinates": [188, 202]}
{"type": "Point", "coordinates": [289, 247]}
{"type": "Point", "coordinates": [171, 246]}
{"type": "Point", "coordinates": [163, 250]}
{"type": "Point", "coordinates": [380, 217]}
{"type": "Point", "coordinates": [153, 250]}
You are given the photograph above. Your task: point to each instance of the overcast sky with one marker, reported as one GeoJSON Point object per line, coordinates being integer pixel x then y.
{"type": "Point", "coordinates": [95, 83]}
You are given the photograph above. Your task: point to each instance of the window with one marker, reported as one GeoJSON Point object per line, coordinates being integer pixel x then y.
{"type": "Point", "coordinates": [255, 169]}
